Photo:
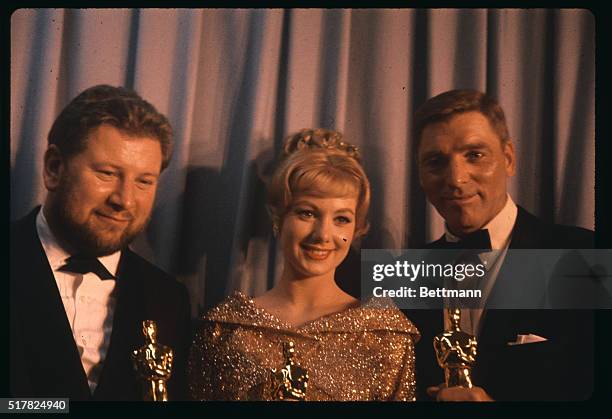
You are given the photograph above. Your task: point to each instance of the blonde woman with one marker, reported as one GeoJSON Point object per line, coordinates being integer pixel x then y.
{"type": "Point", "coordinates": [306, 339]}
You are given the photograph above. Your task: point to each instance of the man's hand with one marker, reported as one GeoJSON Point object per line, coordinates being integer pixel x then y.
{"type": "Point", "coordinates": [458, 394]}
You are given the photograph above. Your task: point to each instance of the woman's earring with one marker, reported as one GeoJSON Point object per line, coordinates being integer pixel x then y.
{"type": "Point", "coordinates": [275, 230]}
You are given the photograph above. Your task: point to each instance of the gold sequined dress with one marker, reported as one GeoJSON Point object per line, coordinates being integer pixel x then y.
{"type": "Point", "coordinates": [362, 353]}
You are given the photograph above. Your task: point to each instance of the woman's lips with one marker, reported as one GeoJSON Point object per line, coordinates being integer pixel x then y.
{"type": "Point", "coordinates": [316, 253]}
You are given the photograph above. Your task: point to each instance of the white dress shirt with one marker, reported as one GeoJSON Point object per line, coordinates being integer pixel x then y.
{"type": "Point", "coordinates": [500, 233]}
{"type": "Point", "coordinates": [89, 302]}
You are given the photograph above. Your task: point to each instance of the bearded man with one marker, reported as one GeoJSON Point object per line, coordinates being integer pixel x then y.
{"type": "Point", "coordinates": [78, 294]}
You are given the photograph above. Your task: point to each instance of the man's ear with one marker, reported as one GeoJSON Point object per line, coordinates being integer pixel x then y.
{"type": "Point", "coordinates": [54, 167]}
{"type": "Point", "coordinates": [508, 149]}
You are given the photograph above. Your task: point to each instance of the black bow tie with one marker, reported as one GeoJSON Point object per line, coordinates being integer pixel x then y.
{"type": "Point", "coordinates": [478, 239]}
{"type": "Point", "coordinates": [84, 264]}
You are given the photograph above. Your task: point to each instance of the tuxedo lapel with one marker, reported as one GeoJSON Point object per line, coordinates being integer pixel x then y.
{"type": "Point", "coordinates": [526, 233]}
{"type": "Point", "coordinates": [531, 371]}
{"type": "Point", "coordinates": [51, 352]}
{"type": "Point", "coordinates": [499, 324]}
{"type": "Point", "coordinates": [118, 380]}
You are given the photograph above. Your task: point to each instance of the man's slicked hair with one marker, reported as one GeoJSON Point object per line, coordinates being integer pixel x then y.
{"type": "Point", "coordinates": [444, 106]}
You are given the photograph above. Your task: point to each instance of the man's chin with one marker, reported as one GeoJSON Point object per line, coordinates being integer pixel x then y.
{"type": "Point", "coordinates": [461, 227]}
{"type": "Point", "coordinates": [96, 244]}
{"type": "Point", "coordinates": [109, 247]}
{"type": "Point", "coordinates": [91, 236]}
{"type": "Point", "coordinates": [100, 248]}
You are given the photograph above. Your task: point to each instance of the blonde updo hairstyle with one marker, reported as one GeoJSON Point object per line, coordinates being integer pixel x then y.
{"type": "Point", "coordinates": [319, 162]}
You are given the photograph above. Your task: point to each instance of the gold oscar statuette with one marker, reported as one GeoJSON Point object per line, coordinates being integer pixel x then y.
{"type": "Point", "coordinates": [153, 364]}
{"type": "Point", "coordinates": [291, 382]}
{"type": "Point", "coordinates": [456, 352]}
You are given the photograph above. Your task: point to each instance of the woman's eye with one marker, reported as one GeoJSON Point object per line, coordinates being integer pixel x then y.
{"type": "Point", "coordinates": [343, 220]}
{"type": "Point", "coordinates": [305, 213]}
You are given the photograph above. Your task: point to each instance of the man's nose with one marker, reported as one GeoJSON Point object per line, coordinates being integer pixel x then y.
{"type": "Point", "coordinates": [457, 172]}
{"type": "Point", "coordinates": [123, 195]}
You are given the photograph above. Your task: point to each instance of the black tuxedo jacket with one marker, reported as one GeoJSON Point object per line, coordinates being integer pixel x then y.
{"type": "Point", "coordinates": [44, 359]}
{"type": "Point", "coordinates": [560, 368]}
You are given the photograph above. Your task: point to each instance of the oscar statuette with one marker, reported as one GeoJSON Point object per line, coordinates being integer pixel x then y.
{"type": "Point", "coordinates": [291, 382]}
{"type": "Point", "coordinates": [153, 364]}
{"type": "Point", "coordinates": [456, 352]}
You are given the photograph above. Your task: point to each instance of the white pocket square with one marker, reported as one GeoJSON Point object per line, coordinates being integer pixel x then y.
{"type": "Point", "coordinates": [524, 339]}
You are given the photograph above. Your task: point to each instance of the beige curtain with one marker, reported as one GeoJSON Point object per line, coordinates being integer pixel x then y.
{"type": "Point", "coordinates": [234, 83]}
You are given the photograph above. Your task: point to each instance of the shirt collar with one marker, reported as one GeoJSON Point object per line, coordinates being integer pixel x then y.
{"type": "Point", "coordinates": [500, 227]}
{"type": "Point", "coordinates": [57, 255]}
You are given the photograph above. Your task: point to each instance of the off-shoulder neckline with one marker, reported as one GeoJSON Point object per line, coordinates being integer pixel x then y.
{"type": "Point", "coordinates": [239, 309]}
{"type": "Point", "coordinates": [258, 308]}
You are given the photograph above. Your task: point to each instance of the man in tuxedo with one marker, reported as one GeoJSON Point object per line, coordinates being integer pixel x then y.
{"type": "Point", "coordinates": [78, 294]}
{"type": "Point", "coordinates": [465, 157]}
